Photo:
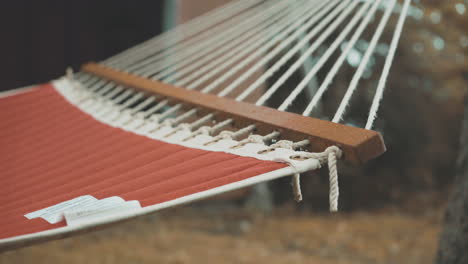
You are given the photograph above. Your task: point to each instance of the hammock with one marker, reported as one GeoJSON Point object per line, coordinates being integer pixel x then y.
{"type": "Point", "coordinates": [181, 117]}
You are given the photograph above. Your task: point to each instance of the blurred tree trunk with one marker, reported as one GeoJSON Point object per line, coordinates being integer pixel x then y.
{"type": "Point", "coordinates": [453, 244]}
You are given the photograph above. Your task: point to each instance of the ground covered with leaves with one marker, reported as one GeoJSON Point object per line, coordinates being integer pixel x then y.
{"type": "Point", "coordinates": [224, 233]}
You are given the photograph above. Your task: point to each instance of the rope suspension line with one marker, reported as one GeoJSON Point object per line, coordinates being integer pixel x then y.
{"type": "Point", "coordinates": [243, 50]}
{"type": "Point", "coordinates": [388, 64]}
{"type": "Point", "coordinates": [339, 62]}
{"type": "Point", "coordinates": [180, 33]}
{"type": "Point", "coordinates": [222, 32]}
{"type": "Point", "coordinates": [362, 66]}
{"type": "Point", "coordinates": [216, 48]}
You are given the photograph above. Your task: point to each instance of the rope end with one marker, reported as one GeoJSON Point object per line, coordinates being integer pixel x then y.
{"type": "Point", "coordinates": [296, 183]}
{"type": "Point", "coordinates": [69, 73]}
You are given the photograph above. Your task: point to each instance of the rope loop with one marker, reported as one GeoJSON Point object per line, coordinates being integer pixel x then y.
{"type": "Point", "coordinates": [154, 118]}
{"type": "Point", "coordinates": [329, 156]}
{"type": "Point", "coordinates": [225, 135]}
{"type": "Point", "coordinates": [168, 122]}
{"type": "Point", "coordinates": [254, 139]}
{"type": "Point", "coordinates": [258, 139]}
{"type": "Point", "coordinates": [287, 144]}
{"type": "Point", "coordinates": [184, 126]}
{"type": "Point", "coordinates": [69, 73]}
{"type": "Point", "coordinates": [204, 130]}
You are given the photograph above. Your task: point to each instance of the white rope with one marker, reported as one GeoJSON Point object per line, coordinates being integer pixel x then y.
{"type": "Point", "coordinates": [180, 38]}
{"type": "Point", "coordinates": [316, 44]}
{"type": "Point", "coordinates": [220, 126]}
{"type": "Point", "coordinates": [329, 156]}
{"type": "Point", "coordinates": [143, 104]}
{"type": "Point", "coordinates": [111, 93]}
{"type": "Point", "coordinates": [176, 49]}
{"type": "Point", "coordinates": [221, 41]}
{"type": "Point", "coordinates": [204, 46]}
{"type": "Point", "coordinates": [255, 32]}
{"type": "Point", "coordinates": [238, 48]}
{"type": "Point", "coordinates": [96, 83]}
{"type": "Point", "coordinates": [231, 135]}
{"type": "Point", "coordinates": [289, 54]}
{"type": "Point", "coordinates": [155, 108]}
{"type": "Point", "coordinates": [258, 139]}
{"type": "Point", "coordinates": [334, 191]}
{"type": "Point", "coordinates": [82, 76]}
{"type": "Point", "coordinates": [304, 41]}
{"type": "Point", "coordinates": [168, 35]}
{"type": "Point", "coordinates": [388, 64]}
{"type": "Point", "coordinates": [339, 62]}
{"type": "Point", "coordinates": [185, 115]}
{"type": "Point", "coordinates": [186, 30]}
{"type": "Point", "coordinates": [287, 144]}
{"type": "Point", "coordinates": [204, 72]}
{"type": "Point", "coordinates": [122, 96]}
{"type": "Point", "coordinates": [191, 126]}
{"type": "Point", "coordinates": [221, 48]}
{"type": "Point", "coordinates": [102, 111]}
{"type": "Point", "coordinates": [112, 108]}
{"type": "Point", "coordinates": [357, 76]}
{"type": "Point", "coordinates": [323, 59]}
{"type": "Point", "coordinates": [176, 122]}
{"type": "Point", "coordinates": [268, 56]}
{"type": "Point", "coordinates": [101, 84]}
{"type": "Point", "coordinates": [163, 118]}
{"type": "Point", "coordinates": [296, 183]}
{"type": "Point", "coordinates": [198, 46]}
{"type": "Point", "coordinates": [132, 100]}
{"type": "Point", "coordinates": [241, 64]}
{"type": "Point", "coordinates": [201, 121]}
{"type": "Point", "coordinates": [296, 33]}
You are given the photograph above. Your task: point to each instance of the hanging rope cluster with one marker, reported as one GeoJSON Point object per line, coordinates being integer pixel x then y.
{"type": "Point", "coordinates": [239, 51]}
{"type": "Point", "coordinates": [224, 49]}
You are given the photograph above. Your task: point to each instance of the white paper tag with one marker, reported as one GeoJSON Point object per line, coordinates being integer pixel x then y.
{"type": "Point", "coordinates": [86, 216]}
{"type": "Point", "coordinates": [84, 209]}
{"type": "Point", "coordinates": [54, 214]}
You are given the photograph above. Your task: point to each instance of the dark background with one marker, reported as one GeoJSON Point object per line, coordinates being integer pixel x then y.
{"type": "Point", "coordinates": [39, 39]}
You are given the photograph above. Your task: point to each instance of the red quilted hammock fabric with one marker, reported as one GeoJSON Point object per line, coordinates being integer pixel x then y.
{"type": "Point", "coordinates": [51, 152]}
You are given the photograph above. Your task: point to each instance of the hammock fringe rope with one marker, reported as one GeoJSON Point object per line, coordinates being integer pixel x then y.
{"type": "Point", "coordinates": [208, 51]}
{"type": "Point", "coordinates": [214, 93]}
{"type": "Point", "coordinates": [112, 112]}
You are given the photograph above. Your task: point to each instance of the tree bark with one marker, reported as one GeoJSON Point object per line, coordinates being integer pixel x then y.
{"type": "Point", "coordinates": [453, 244]}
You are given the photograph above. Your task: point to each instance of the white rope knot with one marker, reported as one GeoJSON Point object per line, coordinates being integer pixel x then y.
{"type": "Point", "coordinates": [333, 153]}
{"type": "Point", "coordinates": [254, 139]}
{"type": "Point", "coordinates": [329, 156]}
{"type": "Point", "coordinates": [287, 144]}
{"type": "Point", "coordinates": [69, 73]}
{"type": "Point", "coordinates": [225, 135]}
{"type": "Point", "coordinates": [139, 115]}
{"type": "Point", "coordinates": [154, 118]}
{"type": "Point", "coordinates": [184, 126]}
{"type": "Point", "coordinates": [296, 183]}
{"type": "Point", "coordinates": [168, 122]}
{"type": "Point", "coordinates": [250, 139]}
{"type": "Point", "coordinates": [204, 130]}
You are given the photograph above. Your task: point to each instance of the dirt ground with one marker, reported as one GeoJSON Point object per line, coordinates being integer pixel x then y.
{"type": "Point", "coordinates": [224, 233]}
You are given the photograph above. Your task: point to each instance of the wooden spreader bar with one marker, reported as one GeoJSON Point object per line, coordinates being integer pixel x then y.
{"type": "Point", "coordinates": [358, 145]}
